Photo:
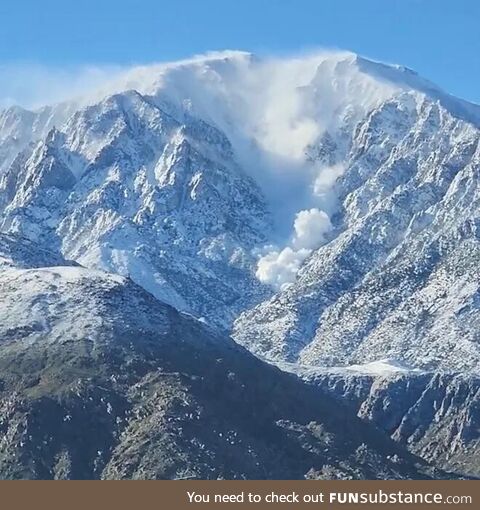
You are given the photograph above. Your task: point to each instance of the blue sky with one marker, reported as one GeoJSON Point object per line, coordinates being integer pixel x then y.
{"type": "Point", "coordinates": [438, 38]}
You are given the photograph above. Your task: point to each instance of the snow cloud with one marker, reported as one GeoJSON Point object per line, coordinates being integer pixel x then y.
{"type": "Point", "coordinates": [310, 227]}
{"type": "Point", "coordinates": [33, 85]}
{"type": "Point", "coordinates": [278, 268]}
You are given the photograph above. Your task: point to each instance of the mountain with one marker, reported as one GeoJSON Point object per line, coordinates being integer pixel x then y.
{"type": "Point", "coordinates": [323, 210]}
{"type": "Point", "coordinates": [126, 188]}
{"type": "Point", "coordinates": [435, 415]}
{"type": "Point", "coordinates": [101, 380]}
{"type": "Point", "coordinates": [325, 205]}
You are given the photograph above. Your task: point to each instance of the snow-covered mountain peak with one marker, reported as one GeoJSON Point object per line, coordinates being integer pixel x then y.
{"type": "Point", "coordinates": [215, 181]}
{"type": "Point", "coordinates": [279, 106]}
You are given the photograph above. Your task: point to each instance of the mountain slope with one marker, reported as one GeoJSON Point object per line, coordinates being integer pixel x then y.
{"type": "Point", "coordinates": [398, 278]}
{"type": "Point", "coordinates": [435, 415]}
{"type": "Point", "coordinates": [101, 380]}
{"type": "Point", "coordinates": [126, 187]}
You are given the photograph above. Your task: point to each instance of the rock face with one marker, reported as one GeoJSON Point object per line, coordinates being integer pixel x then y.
{"type": "Point", "coordinates": [435, 415]}
{"type": "Point", "coordinates": [101, 380]}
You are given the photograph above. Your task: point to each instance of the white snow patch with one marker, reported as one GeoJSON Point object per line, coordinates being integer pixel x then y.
{"type": "Point", "coordinates": [384, 367]}
{"type": "Point", "coordinates": [380, 367]}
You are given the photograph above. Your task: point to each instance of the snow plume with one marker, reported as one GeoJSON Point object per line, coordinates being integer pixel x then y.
{"type": "Point", "coordinates": [35, 85]}
{"type": "Point", "coordinates": [325, 180]}
{"type": "Point", "coordinates": [279, 268]}
{"type": "Point", "coordinates": [310, 227]}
